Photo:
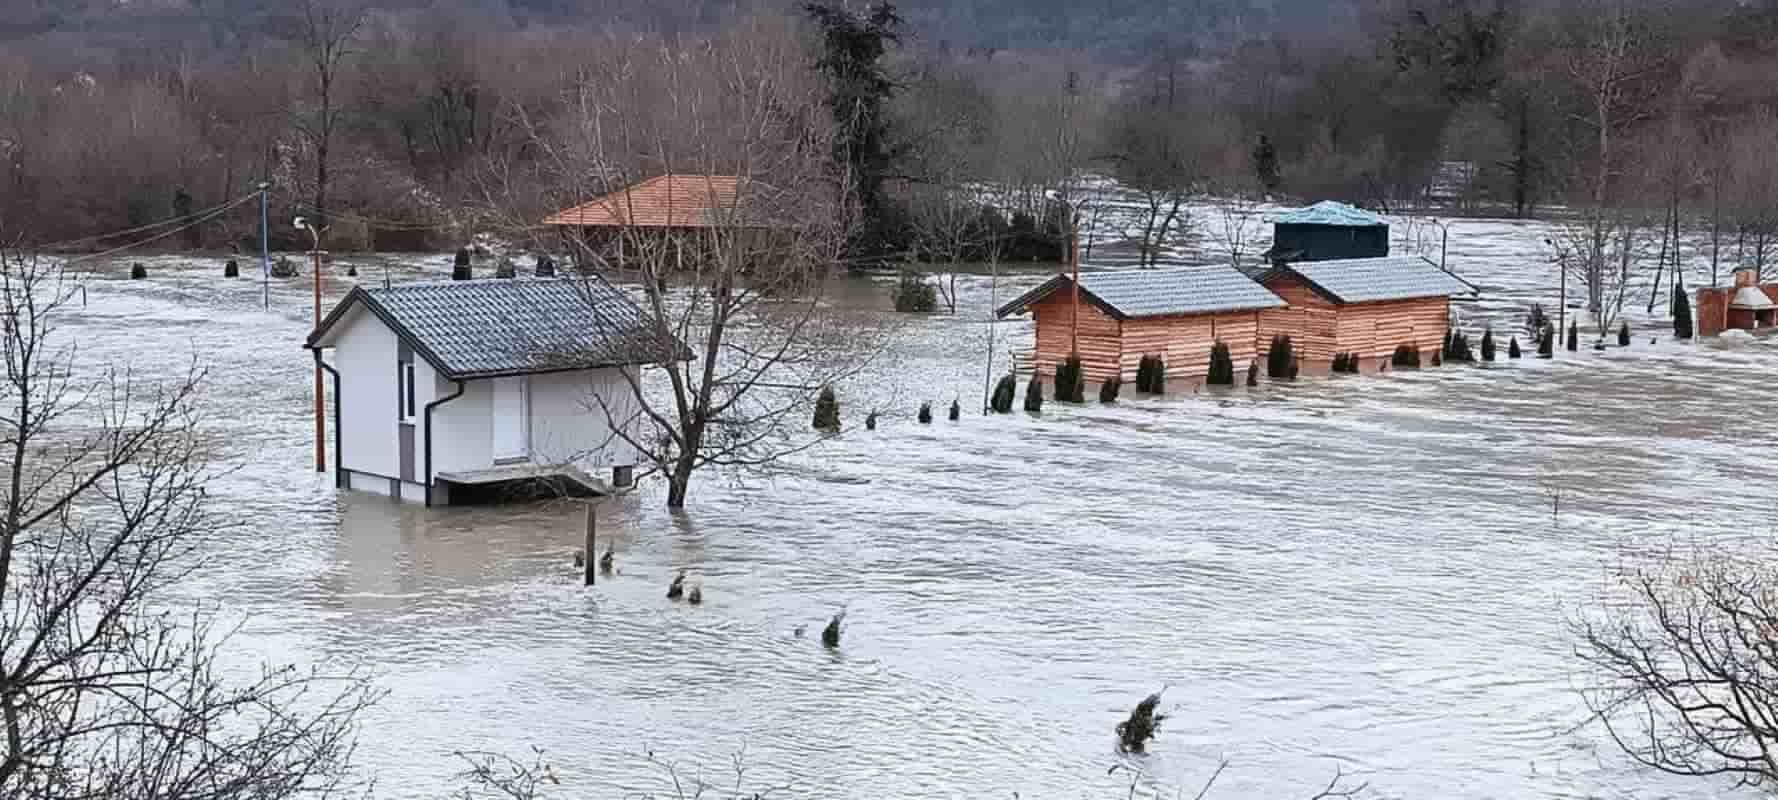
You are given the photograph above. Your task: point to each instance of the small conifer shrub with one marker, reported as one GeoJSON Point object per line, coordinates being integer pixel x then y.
{"type": "Point", "coordinates": [1253, 373]}
{"type": "Point", "coordinates": [1339, 362]}
{"type": "Point", "coordinates": [1682, 315]}
{"type": "Point", "coordinates": [1512, 348]}
{"type": "Point", "coordinates": [1623, 334]}
{"type": "Point", "coordinates": [827, 410]}
{"type": "Point", "coordinates": [1573, 337]}
{"type": "Point", "coordinates": [925, 415]}
{"type": "Point", "coordinates": [1034, 395]}
{"type": "Point", "coordinates": [1005, 392]}
{"type": "Point", "coordinates": [1546, 346]}
{"type": "Point", "coordinates": [1488, 345]}
{"type": "Point", "coordinates": [1071, 381]}
{"type": "Point", "coordinates": [1109, 389]}
{"type": "Point", "coordinates": [956, 410]}
{"type": "Point", "coordinates": [913, 295]}
{"type": "Point", "coordinates": [1222, 367]}
{"type": "Point", "coordinates": [1406, 355]}
{"type": "Point", "coordinates": [1279, 357]}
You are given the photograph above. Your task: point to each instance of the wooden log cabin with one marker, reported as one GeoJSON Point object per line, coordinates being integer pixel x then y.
{"type": "Point", "coordinates": [1368, 306]}
{"type": "Point", "coordinates": [1177, 314]}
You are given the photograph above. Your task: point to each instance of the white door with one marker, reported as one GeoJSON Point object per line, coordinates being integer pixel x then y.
{"type": "Point", "coordinates": [512, 419]}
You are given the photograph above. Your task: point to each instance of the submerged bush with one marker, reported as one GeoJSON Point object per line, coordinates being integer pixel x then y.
{"type": "Point", "coordinates": [1682, 315]}
{"type": "Point", "coordinates": [1222, 367]}
{"type": "Point", "coordinates": [913, 295]}
{"type": "Point", "coordinates": [827, 410]}
{"type": "Point", "coordinates": [1488, 345]}
{"type": "Point", "coordinates": [1071, 381]}
{"type": "Point", "coordinates": [1109, 389]}
{"type": "Point", "coordinates": [1034, 395]}
{"type": "Point", "coordinates": [1623, 334]}
{"type": "Point", "coordinates": [1406, 355]}
{"type": "Point", "coordinates": [925, 415]}
{"type": "Point", "coordinates": [1512, 348]}
{"type": "Point", "coordinates": [1145, 721]}
{"type": "Point", "coordinates": [1573, 337]}
{"type": "Point", "coordinates": [1151, 375]}
{"type": "Point", "coordinates": [1279, 356]}
{"type": "Point", "coordinates": [1004, 393]}
{"type": "Point", "coordinates": [1546, 345]}
{"type": "Point", "coordinates": [956, 411]}
{"type": "Point", "coordinates": [1253, 373]}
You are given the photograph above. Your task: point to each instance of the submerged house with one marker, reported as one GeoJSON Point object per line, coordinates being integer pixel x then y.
{"type": "Point", "coordinates": [1125, 315]}
{"type": "Point", "coordinates": [1367, 306]}
{"type": "Point", "coordinates": [1326, 231]}
{"type": "Point", "coordinates": [448, 390]}
{"type": "Point", "coordinates": [666, 207]}
{"type": "Point", "coordinates": [1745, 305]}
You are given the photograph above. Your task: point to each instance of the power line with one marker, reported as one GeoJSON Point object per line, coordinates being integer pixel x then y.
{"type": "Point", "coordinates": [150, 226]}
{"type": "Point", "coordinates": [217, 212]}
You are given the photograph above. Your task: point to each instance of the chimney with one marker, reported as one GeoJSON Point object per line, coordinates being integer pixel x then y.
{"type": "Point", "coordinates": [1745, 277]}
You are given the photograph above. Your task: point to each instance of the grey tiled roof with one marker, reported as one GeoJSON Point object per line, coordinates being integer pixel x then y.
{"type": "Point", "coordinates": [1128, 294]}
{"type": "Point", "coordinates": [513, 326]}
{"type": "Point", "coordinates": [1363, 280]}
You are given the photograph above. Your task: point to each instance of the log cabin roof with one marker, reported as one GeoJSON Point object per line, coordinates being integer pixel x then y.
{"type": "Point", "coordinates": [1134, 294]}
{"type": "Point", "coordinates": [664, 201]}
{"type": "Point", "coordinates": [1365, 280]}
{"type": "Point", "coordinates": [510, 326]}
{"type": "Point", "coordinates": [1328, 212]}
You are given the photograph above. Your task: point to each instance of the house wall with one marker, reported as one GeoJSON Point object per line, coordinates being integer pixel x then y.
{"type": "Point", "coordinates": [1184, 342]}
{"type": "Point", "coordinates": [569, 423]}
{"type": "Point", "coordinates": [1374, 330]}
{"type": "Point", "coordinates": [462, 429]}
{"type": "Point", "coordinates": [365, 356]}
{"type": "Point", "coordinates": [1101, 345]}
{"type": "Point", "coordinates": [1319, 330]}
{"type": "Point", "coordinates": [1311, 321]}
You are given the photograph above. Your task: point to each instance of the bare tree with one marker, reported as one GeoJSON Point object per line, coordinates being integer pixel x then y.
{"type": "Point", "coordinates": [1684, 664]}
{"type": "Point", "coordinates": [738, 117]}
{"type": "Point", "coordinates": [325, 31]}
{"type": "Point", "coordinates": [1237, 223]}
{"type": "Point", "coordinates": [106, 689]}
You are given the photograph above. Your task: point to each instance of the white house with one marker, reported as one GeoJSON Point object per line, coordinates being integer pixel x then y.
{"type": "Point", "coordinates": [454, 386]}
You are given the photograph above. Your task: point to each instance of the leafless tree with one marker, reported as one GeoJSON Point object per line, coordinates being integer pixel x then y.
{"type": "Point", "coordinates": [107, 689]}
{"type": "Point", "coordinates": [1237, 223]}
{"type": "Point", "coordinates": [1611, 52]}
{"type": "Point", "coordinates": [1683, 657]}
{"type": "Point", "coordinates": [738, 116]}
{"type": "Point", "coordinates": [493, 776]}
{"type": "Point", "coordinates": [326, 32]}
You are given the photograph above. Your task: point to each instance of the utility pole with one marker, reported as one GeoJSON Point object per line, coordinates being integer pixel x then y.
{"type": "Point", "coordinates": [265, 246]}
{"type": "Point", "coordinates": [320, 388]}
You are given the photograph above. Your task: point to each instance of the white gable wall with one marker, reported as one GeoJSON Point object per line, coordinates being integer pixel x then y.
{"type": "Point", "coordinates": [462, 429]}
{"type": "Point", "coordinates": [364, 354]}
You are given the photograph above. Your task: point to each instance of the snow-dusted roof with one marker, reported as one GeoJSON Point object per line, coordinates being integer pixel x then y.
{"type": "Point", "coordinates": [511, 326]}
{"type": "Point", "coordinates": [1750, 298]}
{"type": "Point", "coordinates": [1129, 294]}
{"type": "Point", "coordinates": [1364, 280]}
{"type": "Point", "coordinates": [1328, 212]}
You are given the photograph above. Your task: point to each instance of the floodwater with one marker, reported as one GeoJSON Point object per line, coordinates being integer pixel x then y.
{"type": "Point", "coordinates": [1361, 573]}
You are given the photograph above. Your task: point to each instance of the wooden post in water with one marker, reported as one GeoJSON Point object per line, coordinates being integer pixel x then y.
{"type": "Point", "coordinates": [592, 515]}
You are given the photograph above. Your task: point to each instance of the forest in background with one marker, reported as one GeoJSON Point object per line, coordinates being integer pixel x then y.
{"type": "Point", "coordinates": [417, 117]}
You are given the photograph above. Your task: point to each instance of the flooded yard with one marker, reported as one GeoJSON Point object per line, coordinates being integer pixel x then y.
{"type": "Point", "coordinates": [1354, 571]}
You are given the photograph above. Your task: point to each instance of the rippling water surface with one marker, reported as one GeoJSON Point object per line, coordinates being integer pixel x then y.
{"type": "Point", "coordinates": [1361, 572]}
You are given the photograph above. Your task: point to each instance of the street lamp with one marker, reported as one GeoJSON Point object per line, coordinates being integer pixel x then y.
{"type": "Point", "coordinates": [320, 391]}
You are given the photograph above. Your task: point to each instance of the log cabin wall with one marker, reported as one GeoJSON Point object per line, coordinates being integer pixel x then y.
{"type": "Point", "coordinates": [1184, 342]}
{"type": "Point", "coordinates": [1320, 329]}
{"type": "Point", "coordinates": [1101, 345]}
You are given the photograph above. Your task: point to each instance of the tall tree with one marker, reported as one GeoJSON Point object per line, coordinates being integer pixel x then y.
{"type": "Point", "coordinates": [860, 87]}
{"type": "Point", "coordinates": [325, 31]}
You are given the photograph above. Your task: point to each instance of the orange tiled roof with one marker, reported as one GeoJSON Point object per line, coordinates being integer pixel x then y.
{"type": "Point", "coordinates": [667, 201]}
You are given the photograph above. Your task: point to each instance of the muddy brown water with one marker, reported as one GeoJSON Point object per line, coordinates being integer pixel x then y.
{"type": "Point", "coordinates": [1361, 572]}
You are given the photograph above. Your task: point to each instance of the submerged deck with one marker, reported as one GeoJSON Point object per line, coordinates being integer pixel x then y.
{"type": "Point", "coordinates": [571, 479]}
